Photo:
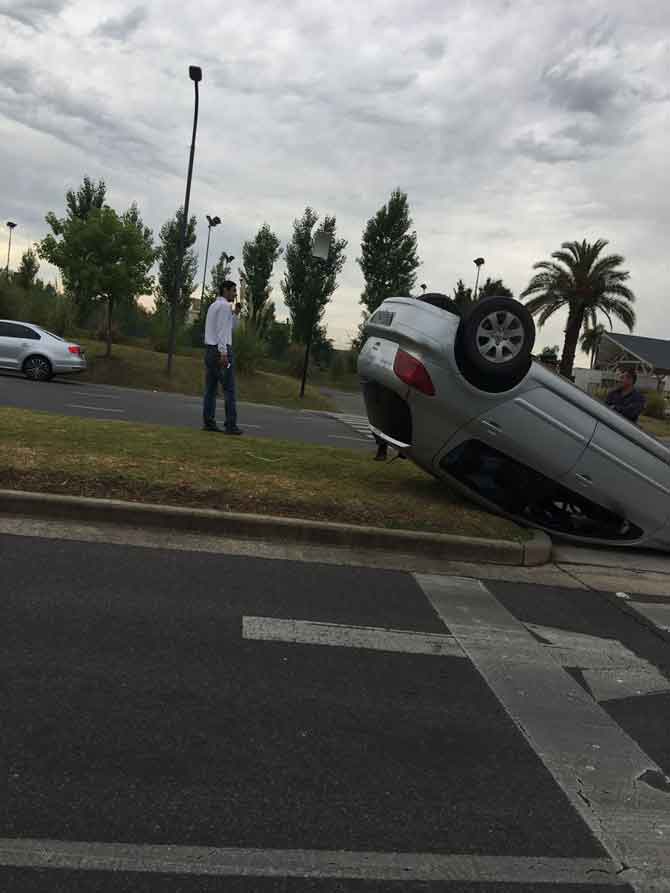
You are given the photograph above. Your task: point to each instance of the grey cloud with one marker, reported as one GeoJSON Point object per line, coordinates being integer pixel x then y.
{"type": "Point", "coordinates": [593, 92]}
{"type": "Point", "coordinates": [550, 150]}
{"type": "Point", "coordinates": [434, 47]}
{"type": "Point", "coordinates": [31, 12]}
{"type": "Point", "coordinates": [49, 106]}
{"type": "Point", "coordinates": [122, 28]}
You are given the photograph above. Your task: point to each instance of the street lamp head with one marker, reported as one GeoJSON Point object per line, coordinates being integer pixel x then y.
{"type": "Point", "coordinates": [478, 261]}
{"type": "Point", "coordinates": [195, 73]}
{"type": "Point", "coordinates": [11, 225]}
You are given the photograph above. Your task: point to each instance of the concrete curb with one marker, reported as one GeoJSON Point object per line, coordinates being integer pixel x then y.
{"type": "Point", "coordinates": [534, 552]}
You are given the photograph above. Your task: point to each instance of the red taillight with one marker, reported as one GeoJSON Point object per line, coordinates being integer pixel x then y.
{"type": "Point", "coordinates": [413, 373]}
{"type": "Point", "coordinates": [75, 349]}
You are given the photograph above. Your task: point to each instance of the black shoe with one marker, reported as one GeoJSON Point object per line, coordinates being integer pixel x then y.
{"type": "Point", "coordinates": [214, 428]}
{"type": "Point", "coordinates": [382, 453]}
{"type": "Point", "coordinates": [235, 430]}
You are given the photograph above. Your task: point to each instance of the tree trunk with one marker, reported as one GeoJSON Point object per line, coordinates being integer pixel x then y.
{"type": "Point", "coordinates": [109, 328]}
{"type": "Point", "coordinates": [572, 330]}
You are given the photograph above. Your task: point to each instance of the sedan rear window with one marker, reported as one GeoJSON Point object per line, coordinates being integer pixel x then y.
{"type": "Point", "coordinates": [15, 330]}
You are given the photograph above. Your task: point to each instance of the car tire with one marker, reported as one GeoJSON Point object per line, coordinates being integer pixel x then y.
{"type": "Point", "coordinates": [37, 368]}
{"type": "Point", "coordinates": [497, 338]}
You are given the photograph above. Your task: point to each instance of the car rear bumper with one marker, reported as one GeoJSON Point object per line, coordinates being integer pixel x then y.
{"type": "Point", "coordinates": [389, 415]}
{"type": "Point", "coordinates": [68, 368]}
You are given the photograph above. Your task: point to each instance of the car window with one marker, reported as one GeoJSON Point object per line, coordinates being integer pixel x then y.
{"type": "Point", "coordinates": [14, 330]}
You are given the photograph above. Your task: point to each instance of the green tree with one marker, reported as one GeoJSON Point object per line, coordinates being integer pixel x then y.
{"type": "Point", "coordinates": [388, 253]}
{"type": "Point", "coordinates": [109, 256]}
{"type": "Point", "coordinates": [28, 269]}
{"type": "Point", "coordinates": [309, 283]}
{"type": "Point", "coordinates": [220, 273]}
{"type": "Point", "coordinates": [462, 295]}
{"type": "Point", "coordinates": [585, 283]}
{"type": "Point", "coordinates": [89, 196]}
{"type": "Point", "coordinates": [167, 255]}
{"type": "Point", "coordinates": [278, 339]}
{"type": "Point", "coordinates": [78, 205]}
{"type": "Point", "coordinates": [590, 340]}
{"type": "Point", "coordinates": [493, 288]}
{"type": "Point", "coordinates": [259, 258]}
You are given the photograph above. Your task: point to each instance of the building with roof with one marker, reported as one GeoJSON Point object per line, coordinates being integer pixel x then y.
{"type": "Point", "coordinates": [649, 357]}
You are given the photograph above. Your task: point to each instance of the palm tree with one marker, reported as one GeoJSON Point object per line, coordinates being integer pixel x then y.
{"type": "Point", "coordinates": [590, 340]}
{"type": "Point", "coordinates": [587, 284]}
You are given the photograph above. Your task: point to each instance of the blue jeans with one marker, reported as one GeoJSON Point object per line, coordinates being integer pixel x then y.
{"type": "Point", "coordinates": [214, 376]}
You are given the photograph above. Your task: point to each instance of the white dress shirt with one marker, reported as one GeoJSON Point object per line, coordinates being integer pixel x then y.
{"type": "Point", "coordinates": [220, 324]}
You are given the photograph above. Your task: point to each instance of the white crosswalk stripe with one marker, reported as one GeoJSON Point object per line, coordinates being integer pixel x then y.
{"type": "Point", "coordinates": [359, 423]}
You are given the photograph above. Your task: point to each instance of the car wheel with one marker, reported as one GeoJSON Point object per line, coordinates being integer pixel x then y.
{"type": "Point", "coordinates": [497, 339]}
{"type": "Point", "coordinates": [37, 368]}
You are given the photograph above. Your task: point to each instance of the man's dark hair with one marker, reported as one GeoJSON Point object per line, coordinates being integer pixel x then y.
{"type": "Point", "coordinates": [228, 284]}
{"type": "Point", "coordinates": [632, 373]}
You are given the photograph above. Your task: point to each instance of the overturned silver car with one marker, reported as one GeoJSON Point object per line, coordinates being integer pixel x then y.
{"type": "Point", "coordinates": [463, 398]}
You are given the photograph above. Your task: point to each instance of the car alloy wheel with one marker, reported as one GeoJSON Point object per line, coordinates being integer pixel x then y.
{"type": "Point", "coordinates": [494, 343]}
{"type": "Point", "coordinates": [500, 336]}
{"type": "Point", "coordinates": [37, 369]}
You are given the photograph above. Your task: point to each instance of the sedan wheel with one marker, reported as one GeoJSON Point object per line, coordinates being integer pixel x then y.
{"type": "Point", "coordinates": [497, 339]}
{"type": "Point", "coordinates": [37, 369]}
{"type": "Point", "coordinates": [500, 337]}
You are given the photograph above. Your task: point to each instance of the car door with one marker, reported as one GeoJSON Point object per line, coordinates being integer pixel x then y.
{"type": "Point", "coordinates": [538, 428]}
{"type": "Point", "coordinates": [619, 474]}
{"type": "Point", "coordinates": [12, 339]}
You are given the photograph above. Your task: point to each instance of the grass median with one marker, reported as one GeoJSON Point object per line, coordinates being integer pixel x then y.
{"type": "Point", "coordinates": [176, 466]}
{"type": "Point", "coordinates": [136, 367]}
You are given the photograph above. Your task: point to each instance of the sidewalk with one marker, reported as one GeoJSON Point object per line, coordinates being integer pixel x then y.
{"type": "Point", "coordinates": [640, 579]}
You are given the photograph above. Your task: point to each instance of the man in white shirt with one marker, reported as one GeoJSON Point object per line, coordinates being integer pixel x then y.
{"type": "Point", "coordinates": [220, 324]}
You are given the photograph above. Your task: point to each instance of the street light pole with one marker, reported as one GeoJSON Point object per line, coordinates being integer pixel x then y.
{"type": "Point", "coordinates": [195, 73]}
{"type": "Point", "coordinates": [211, 223]}
{"type": "Point", "coordinates": [12, 227]}
{"type": "Point", "coordinates": [320, 250]}
{"type": "Point", "coordinates": [479, 262]}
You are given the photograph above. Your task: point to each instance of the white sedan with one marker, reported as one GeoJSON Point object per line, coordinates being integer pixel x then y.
{"type": "Point", "coordinates": [37, 353]}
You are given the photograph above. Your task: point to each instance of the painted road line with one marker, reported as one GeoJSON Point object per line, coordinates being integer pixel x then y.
{"type": "Point", "coordinates": [194, 860]}
{"type": "Point", "coordinates": [93, 408]}
{"type": "Point", "coordinates": [658, 614]}
{"type": "Point", "coordinates": [307, 632]}
{"type": "Point", "coordinates": [610, 781]}
{"type": "Point", "coordinates": [100, 395]}
{"type": "Point", "coordinates": [609, 669]}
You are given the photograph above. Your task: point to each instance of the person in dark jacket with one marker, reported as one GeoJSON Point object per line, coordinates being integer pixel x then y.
{"type": "Point", "coordinates": [626, 399]}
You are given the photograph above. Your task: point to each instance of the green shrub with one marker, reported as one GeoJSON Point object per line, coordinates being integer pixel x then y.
{"type": "Point", "coordinates": [278, 339]}
{"type": "Point", "coordinates": [11, 298]}
{"type": "Point", "coordinates": [160, 332]}
{"type": "Point", "coordinates": [337, 366]}
{"type": "Point", "coordinates": [248, 349]}
{"type": "Point", "coordinates": [295, 360]}
{"type": "Point", "coordinates": [655, 405]}
{"type": "Point", "coordinates": [63, 316]}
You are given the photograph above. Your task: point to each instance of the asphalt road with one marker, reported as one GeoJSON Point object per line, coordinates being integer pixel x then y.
{"type": "Point", "coordinates": [69, 396]}
{"type": "Point", "coordinates": [159, 697]}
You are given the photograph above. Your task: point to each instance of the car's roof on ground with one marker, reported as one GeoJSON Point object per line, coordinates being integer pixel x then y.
{"type": "Point", "coordinates": [655, 351]}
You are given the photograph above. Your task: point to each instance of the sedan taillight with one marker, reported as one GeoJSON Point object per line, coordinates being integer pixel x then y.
{"type": "Point", "coordinates": [413, 373]}
{"type": "Point", "coordinates": [75, 349]}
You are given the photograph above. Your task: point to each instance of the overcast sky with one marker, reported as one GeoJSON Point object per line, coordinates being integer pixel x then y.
{"type": "Point", "coordinates": [513, 125]}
